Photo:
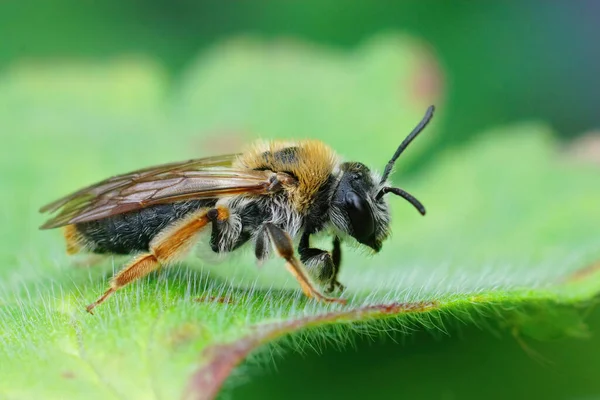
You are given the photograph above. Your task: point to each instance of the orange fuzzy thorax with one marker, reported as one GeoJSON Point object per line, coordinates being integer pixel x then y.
{"type": "Point", "coordinates": [312, 164]}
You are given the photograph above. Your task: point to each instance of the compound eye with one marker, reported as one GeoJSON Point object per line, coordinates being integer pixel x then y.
{"type": "Point", "coordinates": [361, 217]}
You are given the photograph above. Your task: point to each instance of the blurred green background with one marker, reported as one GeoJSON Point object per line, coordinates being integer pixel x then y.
{"type": "Point", "coordinates": [502, 61]}
{"type": "Point", "coordinates": [491, 64]}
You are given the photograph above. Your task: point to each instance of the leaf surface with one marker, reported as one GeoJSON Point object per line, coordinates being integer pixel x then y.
{"type": "Point", "coordinates": [509, 240]}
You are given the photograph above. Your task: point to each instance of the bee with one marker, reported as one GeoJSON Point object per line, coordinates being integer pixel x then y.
{"type": "Point", "coordinates": [267, 196]}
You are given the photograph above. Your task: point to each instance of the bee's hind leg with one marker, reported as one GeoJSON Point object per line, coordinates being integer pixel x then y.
{"type": "Point", "coordinates": [283, 245]}
{"type": "Point", "coordinates": [321, 264]}
{"type": "Point", "coordinates": [171, 244]}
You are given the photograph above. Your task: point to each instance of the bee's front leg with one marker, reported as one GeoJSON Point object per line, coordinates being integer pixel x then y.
{"type": "Point", "coordinates": [321, 264]}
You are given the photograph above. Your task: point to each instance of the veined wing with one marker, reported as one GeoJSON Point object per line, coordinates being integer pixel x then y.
{"type": "Point", "coordinates": [211, 177]}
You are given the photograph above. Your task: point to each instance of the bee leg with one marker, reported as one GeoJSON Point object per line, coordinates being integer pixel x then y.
{"type": "Point", "coordinates": [224, 235]}
{"type": "Point", "coordinates": [282, 243]}
{"type": "Point", "coordinates": [336, 255]}
{"type": "Point", "coordinates": [321, 264]}
{"type": "Point", "coordinates": [260, 246]}
{"type": "Point", "coordinates": [171, 244]}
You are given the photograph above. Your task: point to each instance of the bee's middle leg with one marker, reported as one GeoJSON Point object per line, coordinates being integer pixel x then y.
{"type": "Point", "coordinates": [282, 243]}
{"type": "Point", "coordinates": [321, 264]}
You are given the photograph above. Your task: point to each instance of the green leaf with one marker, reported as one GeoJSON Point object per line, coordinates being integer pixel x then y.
{"type": "Point", "coordinates": [509, 242]}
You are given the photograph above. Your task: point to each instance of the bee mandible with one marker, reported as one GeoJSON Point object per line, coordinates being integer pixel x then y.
{"type": "Point", "coordinates": [266, 197]}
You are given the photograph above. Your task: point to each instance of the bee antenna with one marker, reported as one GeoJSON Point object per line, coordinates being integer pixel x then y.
{"type": "Point", "coordinates": [405, 195]}
{"type": "Point", "coordinates": [406, 142]}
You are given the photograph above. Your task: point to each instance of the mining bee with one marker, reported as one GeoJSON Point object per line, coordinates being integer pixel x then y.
{"type": "Point", "coordinates": [267, 196]}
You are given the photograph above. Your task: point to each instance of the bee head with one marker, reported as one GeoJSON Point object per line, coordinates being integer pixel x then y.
{"type": "Point", "coordinates": [358, 206]}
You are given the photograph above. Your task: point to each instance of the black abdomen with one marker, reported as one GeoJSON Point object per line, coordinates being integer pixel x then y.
{"type": "Point", "coordinates": [132, 232]}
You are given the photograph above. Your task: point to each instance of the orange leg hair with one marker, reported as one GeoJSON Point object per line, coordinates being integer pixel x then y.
{"type": "Point", "coordinates": [171, 244]}
{"type": "Point", "coordinates": [282, 243]}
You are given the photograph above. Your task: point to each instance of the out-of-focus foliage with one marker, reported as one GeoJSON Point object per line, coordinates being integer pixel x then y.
{"type": "Point", "coordinates": [504, 245]}
{"type": "Point", "coordinates": [504, 61]}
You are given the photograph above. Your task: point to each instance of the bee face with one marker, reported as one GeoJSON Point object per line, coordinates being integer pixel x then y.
{"type": "Point", "coordinates": [356, 208]}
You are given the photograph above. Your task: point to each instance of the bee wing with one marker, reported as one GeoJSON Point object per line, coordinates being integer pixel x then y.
{"type": "Point", "coordinates": [211, 177]}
